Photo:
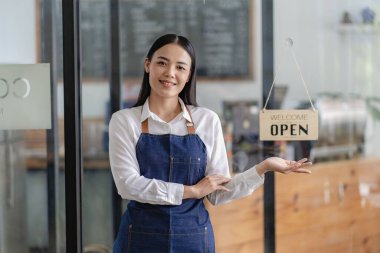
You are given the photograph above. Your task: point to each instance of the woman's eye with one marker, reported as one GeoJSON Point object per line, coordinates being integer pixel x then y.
{"type": "Point", "coordinates": [161, 63]}
{"type": "Point", "coordinates": [181, 68]}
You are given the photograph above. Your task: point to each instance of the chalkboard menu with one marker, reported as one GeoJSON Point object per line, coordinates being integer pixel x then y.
{"type": "Point", "coordinates": [218, 29]}
{"type": "Point", "coordinates": [95, 38]}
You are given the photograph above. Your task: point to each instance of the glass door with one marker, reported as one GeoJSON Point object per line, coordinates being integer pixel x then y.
{"type": "Point", "coordinates": [32, 210]}
{"type": "Point", "coordinates": [97, 209]}
{"type": "Point", "coordinates": [334, 209]}
{"type": "Point", "coordinates": [13, 216]}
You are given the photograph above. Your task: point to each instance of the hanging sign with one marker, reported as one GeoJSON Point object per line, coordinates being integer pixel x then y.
{"type": "Point", "coordinates": [25, 96]}
{"type": "Point", "coordinates": [288, 125]}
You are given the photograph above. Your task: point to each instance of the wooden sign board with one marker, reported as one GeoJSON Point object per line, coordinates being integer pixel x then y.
{"type": "Point", "coordinates": [288, 125]}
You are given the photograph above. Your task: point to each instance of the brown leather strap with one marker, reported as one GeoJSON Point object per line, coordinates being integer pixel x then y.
{"type": "Point", "coordinates": [144, 126]}
{"type": "Point", "coordinates": [190, 125]}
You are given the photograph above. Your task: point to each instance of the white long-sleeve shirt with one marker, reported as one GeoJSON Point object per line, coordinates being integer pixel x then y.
{"type": "Point", "coordinates": [124, 132]}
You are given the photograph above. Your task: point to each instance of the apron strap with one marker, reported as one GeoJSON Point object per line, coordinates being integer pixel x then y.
{"type": "Point", "coordinates": [145, 127]}
{"type": "Point", "coordinates": [189, 125]}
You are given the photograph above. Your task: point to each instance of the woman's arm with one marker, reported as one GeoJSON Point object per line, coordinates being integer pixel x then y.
{"type": "Point", "coordinates": [247, 182]}
{"type": "Point", "coordinates": [206, 186]}
{"type": "Point", "coordinates": [241, 185]}
{"type": "Point", "coordinates": [126, 172]}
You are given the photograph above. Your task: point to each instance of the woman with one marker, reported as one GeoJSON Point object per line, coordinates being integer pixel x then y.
{"type": "Point", "coordinates": [167, 154]}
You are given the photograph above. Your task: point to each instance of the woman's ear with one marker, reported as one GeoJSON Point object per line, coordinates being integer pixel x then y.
{"type": "Point", "coordinates": [146, 65]}
{"type": "Point", "coordinates": [188, 78]}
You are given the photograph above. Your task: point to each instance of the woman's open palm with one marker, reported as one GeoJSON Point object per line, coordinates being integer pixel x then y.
{"type": "Point", "coordinates": [280, 165]}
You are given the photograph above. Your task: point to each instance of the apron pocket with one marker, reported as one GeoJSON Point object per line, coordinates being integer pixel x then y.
{"type": "Point", "coordinates": [194, 242]}
{"type": "Point", "coordinates": [185, 170]}
{"type": "Point", "coordinates": [145, 241]}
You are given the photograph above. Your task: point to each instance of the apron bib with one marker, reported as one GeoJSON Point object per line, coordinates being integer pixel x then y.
{"type": "Point", "coordinates": [147, 228]}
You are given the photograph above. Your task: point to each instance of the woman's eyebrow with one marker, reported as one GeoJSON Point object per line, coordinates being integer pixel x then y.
{"type": "Point", "coordinates": [166, 59]}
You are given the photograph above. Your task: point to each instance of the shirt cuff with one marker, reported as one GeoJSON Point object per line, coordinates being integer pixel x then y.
{"type": "Point", "coordinates": [252, 178]}
{"type": "Point", "coordinates": [175, 193]}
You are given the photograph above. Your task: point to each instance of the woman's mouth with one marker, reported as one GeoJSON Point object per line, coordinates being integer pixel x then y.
{"type": "Point", "coordinates": [166, 83]}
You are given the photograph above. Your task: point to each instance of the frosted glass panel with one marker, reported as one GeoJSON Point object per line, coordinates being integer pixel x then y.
{"type": "Point", "coordinates": [25, 96]}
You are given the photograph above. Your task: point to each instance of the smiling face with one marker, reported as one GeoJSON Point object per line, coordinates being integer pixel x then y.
{"type": "Point", "coordinates": [169, 71]}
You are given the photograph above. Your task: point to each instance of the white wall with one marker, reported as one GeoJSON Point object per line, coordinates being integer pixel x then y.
{"type": "Point", "coordinates": [17, 31]}
{"type": "Point", "coordinates": [331, 61]}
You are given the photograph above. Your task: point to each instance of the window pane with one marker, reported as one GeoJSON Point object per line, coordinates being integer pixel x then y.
{"type": "Point", "coordinates": [97, 180]}
{"type": "Point", "coordinates": [29, 188]}
{"type": "Point", "coordinates": [337, 47]}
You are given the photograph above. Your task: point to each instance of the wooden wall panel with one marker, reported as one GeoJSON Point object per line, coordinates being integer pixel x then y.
{"type": "Point", "coordinates": [335, 209]}
{"type": "Point", "coordinates": [238, 225]}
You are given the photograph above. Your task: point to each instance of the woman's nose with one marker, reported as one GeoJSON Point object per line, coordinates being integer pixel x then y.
{"type": "Point", "coordinates": [170, 71]}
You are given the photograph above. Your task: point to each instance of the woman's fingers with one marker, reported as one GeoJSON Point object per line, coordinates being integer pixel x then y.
{"type": "Point", "coordinates": [293, 163]}
{"type": "Point", "coordinates": [218, 179]}
{"type": "Point", "coordinates": [303, 165]}
{"type": "Point", "coordinates": [219, 182]}
{"type": "Point", "coordinates": [212, 183]}
{"type": "Point", "coordinates": [302, 171]}
{"type": "Point", "coordinates": [223, 188]}
{"type": "Point", "coordinates": [302, 160]}
{"type": "Point", "coordinates": [299, 166]}
{"type": "Point", "coordinates": [296, 164]}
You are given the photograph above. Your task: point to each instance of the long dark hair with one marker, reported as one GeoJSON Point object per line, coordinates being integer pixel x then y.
{"type": "Point", "coordinates": [188, 94]}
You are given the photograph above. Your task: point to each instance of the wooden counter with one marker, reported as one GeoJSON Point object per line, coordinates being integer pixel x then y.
{"type": "Point", "coordinates": [33, 163]}
{"type": "Point", "coordinates": [335, 209]}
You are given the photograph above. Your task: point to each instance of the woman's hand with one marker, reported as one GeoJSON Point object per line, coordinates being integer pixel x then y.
{"type": "Point", "coordinates": [206, 186]}
{"type": "Point", "coordinates": [278, 164]}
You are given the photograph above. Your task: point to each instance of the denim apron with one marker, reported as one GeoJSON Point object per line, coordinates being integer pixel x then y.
{"type": "Point", "coordinates": [147, 228]}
